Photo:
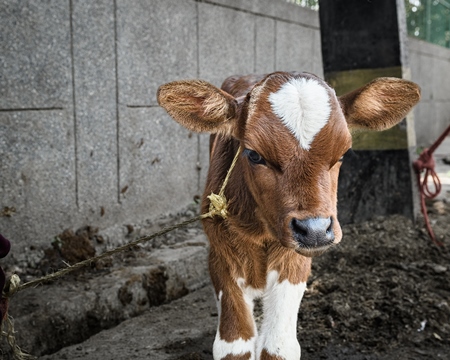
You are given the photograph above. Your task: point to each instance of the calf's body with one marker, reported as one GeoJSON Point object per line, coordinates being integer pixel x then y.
{"type": "Point", "coordinates": [290, 132]}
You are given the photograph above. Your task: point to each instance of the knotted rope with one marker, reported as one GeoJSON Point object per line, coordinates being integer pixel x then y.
{"type": "Point", "coordinates": [426, 162]}
{"type": "Point", "coordinates": [218, 206]}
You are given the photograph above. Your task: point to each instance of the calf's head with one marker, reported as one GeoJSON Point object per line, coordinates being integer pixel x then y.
{"type": "Point", "coordinates": [294, 131]}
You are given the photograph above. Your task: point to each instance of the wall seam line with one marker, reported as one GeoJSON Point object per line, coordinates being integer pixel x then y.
{"type": "Point", "coordinates": [50, 108]}
{"type": "Point", "coordinates": [198, 166]}
{"type": "Point", "coordinates": [255, 30]}
{"type": "Point", "coordinates": [275, 45]}
{"type": "Point", "coordinates": [75, 122]}
{"type": "Point", "coordinates": [116, 73]}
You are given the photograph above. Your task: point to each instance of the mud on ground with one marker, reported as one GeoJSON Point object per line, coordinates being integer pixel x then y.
{"type": "Point", "coordinates": [383, 293]}
{"type": "Point", "coordinates": [385, 290]}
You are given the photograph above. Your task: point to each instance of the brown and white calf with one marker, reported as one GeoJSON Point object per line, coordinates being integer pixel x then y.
{"type": "Point", "coordinates": [293, 131]}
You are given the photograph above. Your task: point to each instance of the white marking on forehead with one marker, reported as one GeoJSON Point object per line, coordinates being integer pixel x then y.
{"type": "Point", "coordinates": [303, 105]}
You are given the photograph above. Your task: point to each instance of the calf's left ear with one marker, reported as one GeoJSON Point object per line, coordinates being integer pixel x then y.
{"type": "Point", "coordinates": [380, 104]}
{"type": "Point", "coordinates": [199, 106]}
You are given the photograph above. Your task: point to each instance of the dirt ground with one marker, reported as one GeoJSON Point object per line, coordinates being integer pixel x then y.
{"type": "Point", "coordinates": [383, 293]}
{"type": "Point", "coordinates": [384, 290]}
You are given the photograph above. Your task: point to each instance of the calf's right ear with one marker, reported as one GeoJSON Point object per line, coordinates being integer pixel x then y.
{"type": "Point", "coordinates": [380, 104]}
{"type": "Point", "coordinates": [199, 106]}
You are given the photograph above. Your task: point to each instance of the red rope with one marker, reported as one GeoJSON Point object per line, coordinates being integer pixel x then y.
{"type": "Point", "coordinates": [426, 162]}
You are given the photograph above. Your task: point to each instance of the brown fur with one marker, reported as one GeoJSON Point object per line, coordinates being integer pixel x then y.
{"type": "Point", "coordinates": [294, 183]}
{"type": "Point", "coordinates": [266, 356]}
{"type": "Point", "coordinates": [245, 356]}
{"type": "Point", "coordinates": [379, 104]}
{"type": "Point", "coordinates": [200, 106]}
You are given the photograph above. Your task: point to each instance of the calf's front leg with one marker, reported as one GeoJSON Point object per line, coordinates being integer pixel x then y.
{"type": "Point", "coordinates": [236, 330]}
{"type": "Point", "coordinates": [281, 300]}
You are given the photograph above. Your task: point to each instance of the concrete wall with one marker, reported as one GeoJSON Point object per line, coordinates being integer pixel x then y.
{"type": "Point", "coordinates": [82, 140]}
{"type": "Point", "coordinates": [430, 68]}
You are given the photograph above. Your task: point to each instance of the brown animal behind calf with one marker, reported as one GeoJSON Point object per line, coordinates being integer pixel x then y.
{"type": "Point", "coordinates": [294, 131]}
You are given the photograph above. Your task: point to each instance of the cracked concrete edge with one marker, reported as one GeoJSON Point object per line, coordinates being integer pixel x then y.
{"type": "Point", "coordinates": [71, 312]}
{"type": "Point", "coordinates": [153, 334]}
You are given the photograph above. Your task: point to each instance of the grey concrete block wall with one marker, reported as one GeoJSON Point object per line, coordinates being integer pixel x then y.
{"type": "Point", "coordinates": [228, 51]}
{"type": "Point", "coordinates": [37, 167]}
{"type": "Point", "coordinates": [430, 68]}
{"type": "Point", "coordinates": [35, 61]}
{"type": "Point", "coordinates": [95, 112]}
{"type": "Point", "coordinates": [297, 48]}
{"type": "Point", "coordinates": [37, 146]}
{"type": "Point", "coordinates": [82, 140]}
{"type": "Point", "coordinates": [156, 43]}
{"type": "Point", "coordinates": [158, 165]}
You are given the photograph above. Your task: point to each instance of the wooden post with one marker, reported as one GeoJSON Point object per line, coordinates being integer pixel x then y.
{"type": "Point", "coordinates": [363, 40]}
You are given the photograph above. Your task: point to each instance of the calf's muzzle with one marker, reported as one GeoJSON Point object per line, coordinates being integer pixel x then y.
{"type": "Point", "coordinates": [312, 233]}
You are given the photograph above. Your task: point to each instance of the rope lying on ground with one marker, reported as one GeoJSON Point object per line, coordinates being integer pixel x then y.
{"type": "Point", "coordinates": [218, 206]}
{"type": "Point", "coordinates": [426, 162]}
{"type": "Point", "coordinates": [15, 286]}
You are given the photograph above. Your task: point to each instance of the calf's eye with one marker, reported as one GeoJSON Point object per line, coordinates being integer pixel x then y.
{"type": "Point", "coordinates": [254, 157]}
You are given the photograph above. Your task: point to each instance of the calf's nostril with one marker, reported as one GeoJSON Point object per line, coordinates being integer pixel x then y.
{"type": "Point", "coordinates": [299, 227]}
{"type": "Point", "coordinates": [330, 228]}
